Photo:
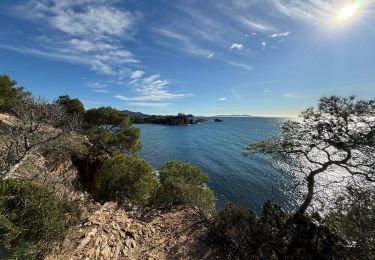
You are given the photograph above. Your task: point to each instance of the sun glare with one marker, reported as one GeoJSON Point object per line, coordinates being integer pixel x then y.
{"type": "Point", "coordinates": [348, 11]}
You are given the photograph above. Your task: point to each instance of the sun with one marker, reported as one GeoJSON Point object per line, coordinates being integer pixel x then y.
{"type": "Point", "coordinates": [348, 11]}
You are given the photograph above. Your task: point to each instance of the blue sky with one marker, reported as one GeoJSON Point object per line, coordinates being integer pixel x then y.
{"type": "Point", "coordinates": [258, 57]}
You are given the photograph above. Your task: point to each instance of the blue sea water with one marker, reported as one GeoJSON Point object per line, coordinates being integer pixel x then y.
{"type": "Point", "coordinates": [218, 149]}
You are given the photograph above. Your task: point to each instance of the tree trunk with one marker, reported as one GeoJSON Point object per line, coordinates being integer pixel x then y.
{"type": "Point", "coordinates": [310, 193]}
{"type": "Point", "coordinates": [12, 170]}
{"type": "Point", "coordinates": [310, 188]}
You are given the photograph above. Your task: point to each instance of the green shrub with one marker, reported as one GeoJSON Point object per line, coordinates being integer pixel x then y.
{"type": "Point", "coordinates": [125, 177]}
{"type": "Point", "coordinates": [183, 183]}
{"type": "Point", "coordinates": [240, 234]}
{"type": "Point", "coordinates": [31, 219]}
{"type": "Point", "coordinates": [353, 219]}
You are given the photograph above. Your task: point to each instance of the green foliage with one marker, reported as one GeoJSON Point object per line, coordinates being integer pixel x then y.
{"type": "Point", "coordinates": [180, 119]}
{"type": "Point", "coordinates": [126, 177]}
{"type": "Point", "coordinates": [273, 235]}
{"type": "Point", "coordinates": [104, 116]}
{"type": "Point", "coordinates": [112, 130]}
{"type": "Point", "coordinates": [353, 219]}
{"type": "Point", "coordinates": [263, 146]}
{"type": "Point", "coordinates": [72, 106]}
{"type": "Point", "coordinates": [31, 218]}
{"type": "Point", "coordinates": [234, 228]}
{"type": "Point", "coordinates": [10, 94]}
{"type": "Point", "coordinates": [183, 183]}
{"type": "Point", "coordinates": [72, 211]}
{"type": "Point", "coordinates": [8, 232]}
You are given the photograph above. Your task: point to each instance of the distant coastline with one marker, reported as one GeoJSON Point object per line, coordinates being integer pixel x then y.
{"type": "Point", "coordinates": [234, 115]}
{"type": "Point", "coordinates": [180, 119]}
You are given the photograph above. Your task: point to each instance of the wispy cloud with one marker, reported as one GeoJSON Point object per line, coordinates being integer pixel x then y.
{"type": "Point", "coordinates": [148, 105]}
{"type": "Point", "coordinates": [185, 43]}
{"type": "Point", "coordinates": [236, 94]}
{"type": "Point", "coordinates": [278, 35]}
{"type": "Point", "coordinates": [100, 90]}
{"type": "Point", "coordinates": [137, 74]}
{"type": "Point", "coordinates": [188, 45]}
{"type": "Point", "coordinates": [238, 46]}
{"type": "Point", "coordinates": [79, 18]}
{"type": "Point", "coordinates": [222, 99]}
{"type": "Point", "coordinates": [239, 65]}
{"type": "Point", "coordinates": [89, 32]}
{"type": "Point", "coordinates": [151, 90]}
{"type": "Point", "coordinates": [255, 25]}
{"type": "Point", "coordinates": [211, 55]}
{"type": "Point", "coordinates": [293, 96]}
{"type": "Point", "coordinates": [316, 11]}
{"type": "Point", "coordinates": [47, 54]}
{"type": "Point", "coordinates": [194, 31]}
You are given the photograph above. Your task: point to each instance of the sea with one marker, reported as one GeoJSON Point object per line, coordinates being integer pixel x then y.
{"type": "Point", "coordinates": [218, 148]}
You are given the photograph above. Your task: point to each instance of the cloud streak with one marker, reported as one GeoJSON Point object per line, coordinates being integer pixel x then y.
{"type": "Point", "coordinates": [315, 11]}
{"type": "Point", "coordinates": [137, 74]}
{"type": "Point", "coordinates": [152, 90]}
{"type": "Point", "coordinates": [90, 32]}
{"type": "Point", "coordinates": [292, 96]}
{"type": "Point", "coordinates": [238, 46]}
{"type": "Point", "coordinates": [278, 35]}
{"type": "Point", "coordinates": [148, 105]}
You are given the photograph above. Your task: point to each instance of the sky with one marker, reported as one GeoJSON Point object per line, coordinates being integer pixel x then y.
{"type": "Point", "coordinates": [255, 57]}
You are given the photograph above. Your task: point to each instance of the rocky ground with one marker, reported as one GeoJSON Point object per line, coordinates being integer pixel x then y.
{"type": "Point", "coordinates": [110, 233]}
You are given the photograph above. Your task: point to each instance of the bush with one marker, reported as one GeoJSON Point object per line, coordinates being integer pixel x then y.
{"type": "Point", "coordinates": [239, 232]}
{"type": "Point", "coordinates": [353, 219]}
{"type": "Point", "coordinates": [125, 177]}
{"type": "Point", "coordinates": [31, 219]}
{"type": "Point", "coordinates": [183, 183]}
{"type": "Point", "coordinates": [274, 235]}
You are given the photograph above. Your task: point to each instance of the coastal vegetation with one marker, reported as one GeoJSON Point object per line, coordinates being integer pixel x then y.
{"type": "Point", "coordinates": [126, 177]}
{"type": "Point", "coordinates": [353, 219]}
{"type": "Point", "coordinates": [183, 183]}
{"type": "Point", "coordinates": [335, 141]}
{"type": "Point", "coordinates": [32, 219]}
{"type": "Point", "coordinates": [272, 235]}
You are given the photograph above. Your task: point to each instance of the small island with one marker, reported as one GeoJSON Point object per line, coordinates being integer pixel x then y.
{"type": "Point", "coordinates": [180, 119]}
{"type": "Point", "coordinates": [217, 120]}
